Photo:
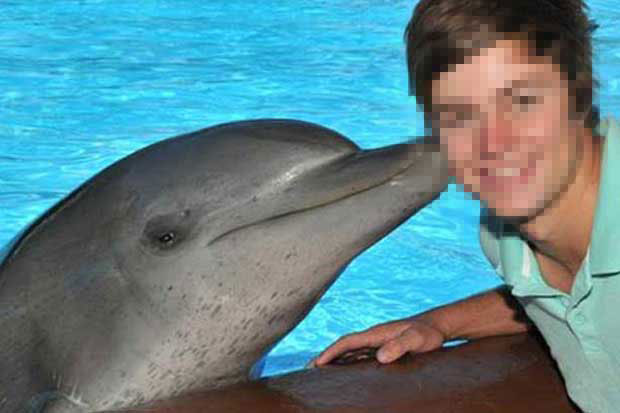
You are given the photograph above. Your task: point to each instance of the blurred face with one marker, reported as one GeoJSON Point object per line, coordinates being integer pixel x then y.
{"type": "Point", "coordinates": [504, 122]}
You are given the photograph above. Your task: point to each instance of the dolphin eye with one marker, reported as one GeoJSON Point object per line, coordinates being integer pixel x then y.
{"type": "Point", "coordinates": [164, 239]}
{"type": "Point", "coordinates": [168, 233]}
{"type": "Point", "coordinates": [167, 239]}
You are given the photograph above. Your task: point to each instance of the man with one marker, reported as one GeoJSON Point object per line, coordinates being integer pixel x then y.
{"type": "Point", "coordinates": [507, 88]}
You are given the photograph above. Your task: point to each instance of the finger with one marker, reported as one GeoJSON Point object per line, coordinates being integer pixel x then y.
{"type": "Point", "coordinates": [355, 356]}
{"type": "Point", "coordinates": [346, 343]}
{"type": "Point", "coordinates": [372, 337]}
{"type": "Point", "coordinates": [409, 341]}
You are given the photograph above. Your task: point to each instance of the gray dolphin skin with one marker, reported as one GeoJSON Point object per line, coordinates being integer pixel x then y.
{"type": "Point", "coordinates": [176, 268]}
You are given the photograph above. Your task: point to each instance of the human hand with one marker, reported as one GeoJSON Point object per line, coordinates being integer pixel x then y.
{"type": "Point", "coordinates": [395, 338]}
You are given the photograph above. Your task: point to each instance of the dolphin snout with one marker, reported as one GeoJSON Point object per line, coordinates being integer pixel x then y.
{"type": "Point", "coordinates": [415, 170]}
{"type": "Point", "coordinates": [427, 171]}
{"type": "Point", "coordinates": [416, 165]}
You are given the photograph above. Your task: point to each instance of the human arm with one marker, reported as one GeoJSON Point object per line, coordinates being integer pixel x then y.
{"type": "Point", "coordinates": [492, 313]}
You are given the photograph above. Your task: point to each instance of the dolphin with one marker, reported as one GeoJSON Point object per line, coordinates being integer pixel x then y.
{"type": "Point", "coordinates": [176, 268]}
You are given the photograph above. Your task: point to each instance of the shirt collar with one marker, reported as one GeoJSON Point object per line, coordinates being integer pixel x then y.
{"type": "Point", "coordinates": [605, 237]}
{"type": "Point", "coordinates": [518, 268]}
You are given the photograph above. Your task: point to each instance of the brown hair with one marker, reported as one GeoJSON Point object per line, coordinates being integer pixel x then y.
{"type": "Point", "coordinates": [443, 33]}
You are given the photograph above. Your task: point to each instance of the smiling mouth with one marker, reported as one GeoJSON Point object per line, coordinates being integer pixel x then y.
{"type": "Point", "coordinates": [334, 182]}
{"type": "Point", "coordinates": [344, 197]}
{"type": "Point", "coordinates": [508, 172]}
{"type": "Point", "coordinates": [505, 177]}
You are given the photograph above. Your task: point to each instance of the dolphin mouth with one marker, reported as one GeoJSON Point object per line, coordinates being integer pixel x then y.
{"type": "Point", "coordinates": [349, 176]}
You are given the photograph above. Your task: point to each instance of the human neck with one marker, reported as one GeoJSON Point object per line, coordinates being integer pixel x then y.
{"type": "Point", "coordinates": [562, 231]}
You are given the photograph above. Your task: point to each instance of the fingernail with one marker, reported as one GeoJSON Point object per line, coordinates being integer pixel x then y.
{"type": "Point", "coordinates": [311, 364]}
{"type": "Point", "coordinates": [382, 356]}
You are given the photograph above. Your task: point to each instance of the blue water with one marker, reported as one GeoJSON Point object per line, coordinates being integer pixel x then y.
{"type": "Point", "coordinates": [84, 83]}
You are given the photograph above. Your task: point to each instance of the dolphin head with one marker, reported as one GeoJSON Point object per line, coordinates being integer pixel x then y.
{"type": "Point", "coordinates": [242, 227]}
{"type": "Point", "coordinates": [184, 262]}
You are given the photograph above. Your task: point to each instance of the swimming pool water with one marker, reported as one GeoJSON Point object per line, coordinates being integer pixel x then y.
{"type": "Point", "coordinates": [84, 83]}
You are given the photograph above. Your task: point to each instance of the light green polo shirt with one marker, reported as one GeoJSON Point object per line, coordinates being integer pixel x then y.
{"type": "Point", "coordinates": [582, 328]}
